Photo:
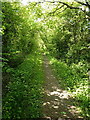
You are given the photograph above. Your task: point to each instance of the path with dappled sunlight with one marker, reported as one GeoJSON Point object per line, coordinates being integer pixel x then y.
{"type": "Point", "coordinates": [57, 103]}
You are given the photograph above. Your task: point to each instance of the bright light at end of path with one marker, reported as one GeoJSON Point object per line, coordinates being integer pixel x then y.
{"type": "Point", "coordinates": [25, 2]}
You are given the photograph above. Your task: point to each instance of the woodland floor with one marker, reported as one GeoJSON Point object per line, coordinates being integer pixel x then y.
{"type": "Point", "coordinates": [57, 102]}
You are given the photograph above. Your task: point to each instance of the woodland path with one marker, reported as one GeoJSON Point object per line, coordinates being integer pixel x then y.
{"type": "Point", "coordinates": [57, 103]}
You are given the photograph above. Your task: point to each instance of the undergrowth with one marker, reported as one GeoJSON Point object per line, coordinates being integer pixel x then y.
{"type": "Point", "coordinates": [74, 79]}
{"type": "Point", "coordinates": [23, 99]}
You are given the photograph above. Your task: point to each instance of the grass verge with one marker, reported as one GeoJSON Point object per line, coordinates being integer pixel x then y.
{"type": "Point", "coordinates": [23, 99]}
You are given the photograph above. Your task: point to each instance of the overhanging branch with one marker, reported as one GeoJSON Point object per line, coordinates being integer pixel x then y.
{"type": "Point", "coordinates": [69, 6]}
{"type": "Point", "coordinates": [85, 4]}
{"type": "Point", "coordinates": [56, 9]}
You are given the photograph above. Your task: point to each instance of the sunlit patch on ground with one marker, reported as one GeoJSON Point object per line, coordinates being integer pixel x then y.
{"type": "Point", "coordinates": [57, 102]}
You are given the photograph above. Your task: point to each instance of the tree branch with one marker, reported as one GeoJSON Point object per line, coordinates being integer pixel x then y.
{"type": "Point", "coordinates": [56, 9]}
{"type": "Point", "coordinates": [81, 3]}
{"type": "Point", "coordinates": [69, 6]}
{"type": "Point", "coordinates": [61, 11]}
{"type": "Point", "coordinates": [86, 4]}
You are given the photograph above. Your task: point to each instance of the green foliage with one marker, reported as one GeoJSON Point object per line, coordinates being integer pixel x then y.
{"type": "Point", "coordinates": [19, 31]}
{"type": "Point", "coordinates": [23, 88]}
{"type": "Point", "coordinates": [66, 37]}
{"type": "Point", "coordinates": [23, 99]}
{"type": "Point", "coordinates": [64, 34]}
{"type": "Point", "coordinates": [73, 78]}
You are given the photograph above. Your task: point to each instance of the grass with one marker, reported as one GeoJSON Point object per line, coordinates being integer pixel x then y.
{"type": "Point", "coordinates": [23, 99]}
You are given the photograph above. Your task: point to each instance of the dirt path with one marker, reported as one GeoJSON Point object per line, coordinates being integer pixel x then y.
{"type": "Point", "coordinates": [58, 103]}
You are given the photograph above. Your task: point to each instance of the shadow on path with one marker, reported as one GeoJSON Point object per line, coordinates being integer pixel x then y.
{"type": "Point", "coordinates": [57, 102]}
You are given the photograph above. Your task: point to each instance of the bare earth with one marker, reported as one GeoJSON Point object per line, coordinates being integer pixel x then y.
{"type": "Point", "coordinates": [58, 103]}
